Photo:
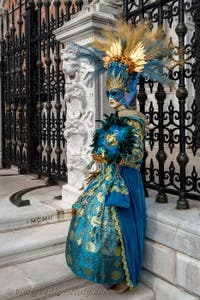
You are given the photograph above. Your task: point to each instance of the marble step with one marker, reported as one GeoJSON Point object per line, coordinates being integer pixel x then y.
{"type": "Point", "coordinates": [50, 278]}
{"type": "Point", "coordinates": [97, 292]}
{"type": "Point", "coordinates": [45, 206]}
{"type": "Point", "coordinates": [31, 243]}
{"type": "Point", "coordinates": [38, 279]}
{"type": "Point", "coordinates": [164, 290]}
{"type": "Point", "coordinates": [11, 221]}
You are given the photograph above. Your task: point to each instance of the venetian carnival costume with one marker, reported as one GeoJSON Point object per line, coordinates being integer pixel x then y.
{"type": "Point", "coordinates": [106, 235]}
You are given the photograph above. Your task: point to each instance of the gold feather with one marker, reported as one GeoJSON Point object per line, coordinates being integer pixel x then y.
{"type": "Point", "coordinates": [128, 44]}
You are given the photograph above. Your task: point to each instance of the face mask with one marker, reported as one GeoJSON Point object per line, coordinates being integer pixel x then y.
{"type": "Point", "coordinates": [117, 95]}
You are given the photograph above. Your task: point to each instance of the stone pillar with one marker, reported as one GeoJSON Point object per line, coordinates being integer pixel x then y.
{"type": "Point", "coordinates": [84, 103]}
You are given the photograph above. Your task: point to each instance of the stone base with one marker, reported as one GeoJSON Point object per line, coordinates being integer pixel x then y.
{"type": "Point", "coordinates": [164, 290]}
{"type": "Point", "coordinates": [171, 255]}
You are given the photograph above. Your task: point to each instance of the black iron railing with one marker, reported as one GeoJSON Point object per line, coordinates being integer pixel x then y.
{"type": "Point", "coordinates": [33, 87]}
{"type": "Point", "coordinates": [172, 163]}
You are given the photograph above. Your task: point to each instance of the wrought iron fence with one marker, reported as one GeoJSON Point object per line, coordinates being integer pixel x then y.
{"type": "Point", "coordinates": [172, 163]}
{"type": "Point", "coordinates": [33, 90]}
{"type": "Point", "coordinates": [33, 87]}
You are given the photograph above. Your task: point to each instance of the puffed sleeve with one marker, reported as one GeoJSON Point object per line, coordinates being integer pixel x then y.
{"type": "Point", "coordinates": [135, 158]}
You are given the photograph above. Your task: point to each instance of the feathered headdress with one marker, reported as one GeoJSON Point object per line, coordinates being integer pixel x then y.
{"type": "Point", "coordinates": [127, 52]}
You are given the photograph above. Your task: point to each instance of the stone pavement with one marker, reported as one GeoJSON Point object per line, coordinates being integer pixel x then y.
{"type": "Point", "coordinates": [32, 239]}
{"type": "Point", "coordinates": [44, 209]}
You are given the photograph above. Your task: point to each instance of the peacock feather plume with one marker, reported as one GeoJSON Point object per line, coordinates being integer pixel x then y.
{"type": "Point", "coordinates": [114, 139]}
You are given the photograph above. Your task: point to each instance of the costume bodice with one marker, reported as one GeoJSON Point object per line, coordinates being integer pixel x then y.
{"type": "Point", "coordinates": [121, 139]}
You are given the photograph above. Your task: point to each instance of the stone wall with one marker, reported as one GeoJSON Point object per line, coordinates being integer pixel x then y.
{"type": "Point", "coordinates": [172, 251]}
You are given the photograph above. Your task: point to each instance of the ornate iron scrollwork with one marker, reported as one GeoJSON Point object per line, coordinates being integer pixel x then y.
{"type": "Point", "coordinates": [174, 115]}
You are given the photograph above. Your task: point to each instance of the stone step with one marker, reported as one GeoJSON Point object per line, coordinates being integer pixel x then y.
{"type": "Point", "coordinates": [32, 243]}
{"type": "Point", "coordinates": [45, 204]}
{"type": "Point", "coordinates": [97, 292]}
{"type": "Point", "coordinates": [50, 278]}
{"type": "Point", "coordinates": [38, 279]}
{"type": "Point", "coordinates": [164, 290]}
{"type": "Point", "coordinates": [10, 222]}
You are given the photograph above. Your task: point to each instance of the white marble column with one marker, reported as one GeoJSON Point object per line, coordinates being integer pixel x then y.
{"type": "Point", "coordinates": [84, 103]}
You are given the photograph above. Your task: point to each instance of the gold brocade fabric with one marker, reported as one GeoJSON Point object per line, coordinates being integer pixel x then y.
{"type": "Point", "coordinates": [95, 249]}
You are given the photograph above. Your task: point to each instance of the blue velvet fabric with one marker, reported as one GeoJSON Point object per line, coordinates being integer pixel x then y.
{"type": "Point", "coordinates": [133, 222]}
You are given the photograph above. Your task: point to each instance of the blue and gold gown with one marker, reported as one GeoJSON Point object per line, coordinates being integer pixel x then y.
{"type": "Point", "coordinates": [106, 235]}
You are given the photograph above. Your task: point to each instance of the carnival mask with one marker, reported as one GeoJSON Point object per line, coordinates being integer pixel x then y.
{"type": "Point", "coordinates": [115, 97]}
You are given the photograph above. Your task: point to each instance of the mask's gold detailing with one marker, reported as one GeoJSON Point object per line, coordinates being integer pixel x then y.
{"type": "Point", "coordinates": [113, 82]}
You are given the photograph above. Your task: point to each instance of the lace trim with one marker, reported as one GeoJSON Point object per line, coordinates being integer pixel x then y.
{"type": "Point", "coordinates": [123, 253]}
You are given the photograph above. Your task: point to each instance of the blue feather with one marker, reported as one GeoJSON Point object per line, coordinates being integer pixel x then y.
{"type": "Point", "coordinates": [94, 57]}
{"type": "Point", "coordinates": [154, 71]}
{"type": "Point", "coordinates": [115, 139]}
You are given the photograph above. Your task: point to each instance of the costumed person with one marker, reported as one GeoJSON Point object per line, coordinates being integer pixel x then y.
{"type": "Point", "coordinates": [106, 235]}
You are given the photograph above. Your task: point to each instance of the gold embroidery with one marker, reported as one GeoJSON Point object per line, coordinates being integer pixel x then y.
{"type": "Point", "coordinates": [90, 247]}
{"type": "Point", "coordinates": [95, 221]}
{"type": "Point", "coordinates": [71, 235]}
{"type": "Point", "coordinates": [69, 259]}
{"type": "Point", "coordinates": [111, 139]}
{"type": "Point", "coordinates": [135, 158]}
{"type": "Point", "coordinates": [124, 262]}
{"type": "Point", "coordinates": [88, 271]}
{"type": "Point", "coordinates": [80, 212]}
{"type": "Point", "coordinates": [79, 242]}
{"type": "Point", "coordinates": [117, 251]}
{"type": "Point", "coordinates": [98, 209]}
{"type": "Point", "coordinates": [100, 197]}
{"type": "Point", "coordinates": [115, 275]}
{"type": "Point", "coordinates": [99, 157]}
